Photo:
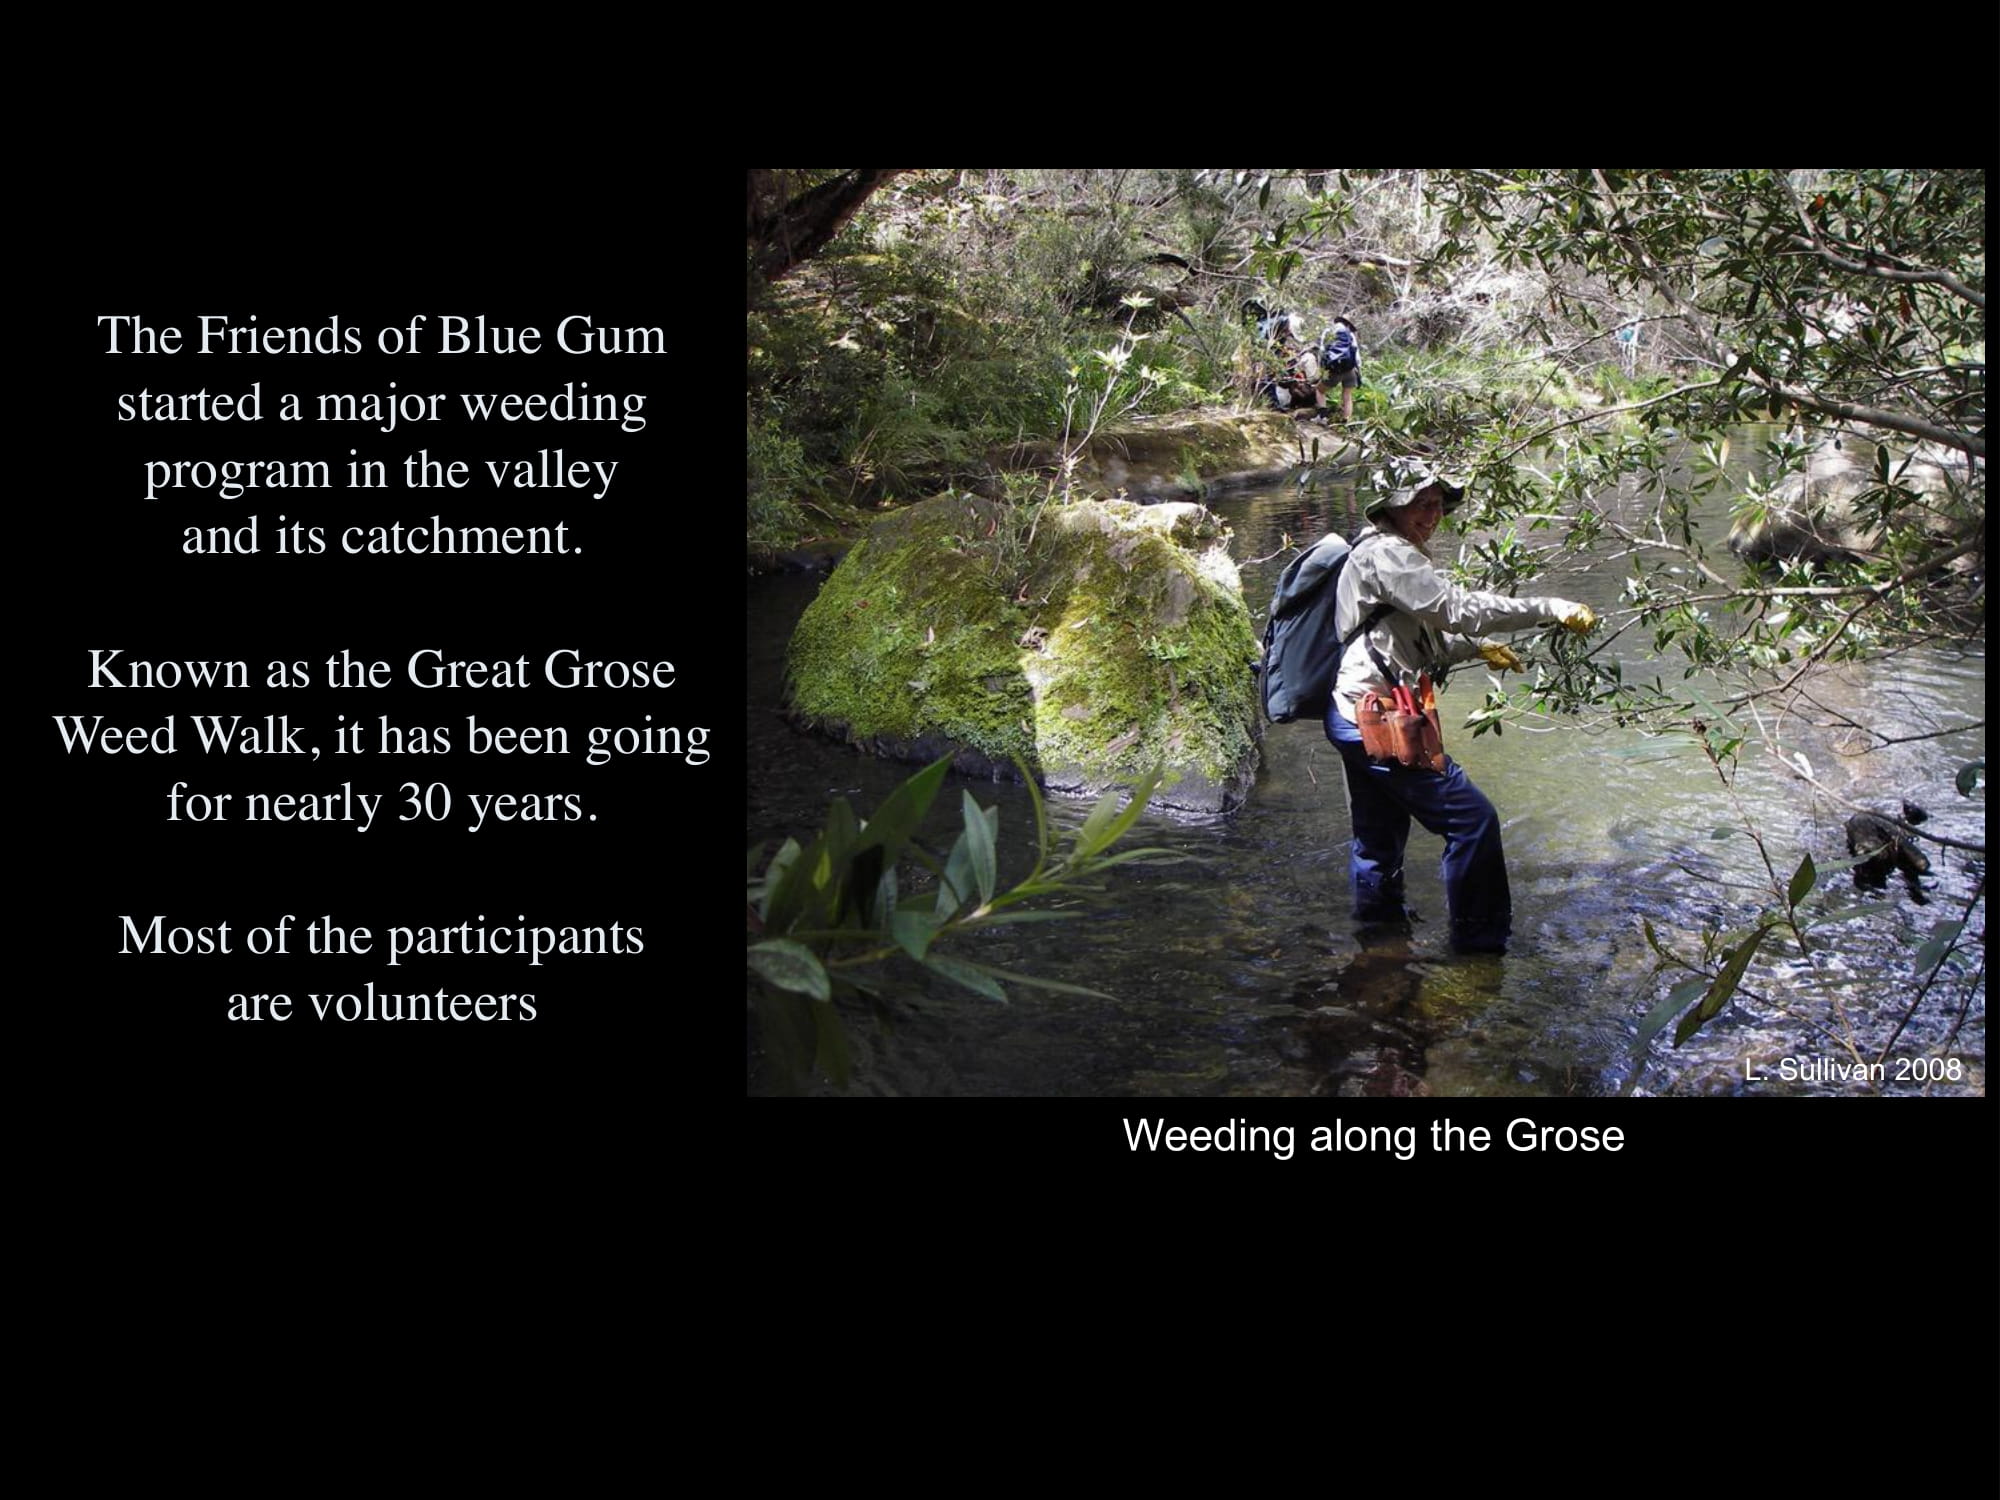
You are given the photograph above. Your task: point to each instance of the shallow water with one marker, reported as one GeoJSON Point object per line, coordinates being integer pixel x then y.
{"type": "Point", "coordinates": [1244, 974]}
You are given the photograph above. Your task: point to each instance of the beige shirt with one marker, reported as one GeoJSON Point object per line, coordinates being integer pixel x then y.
{"type": "Point", "coordinates": [1433, 624]}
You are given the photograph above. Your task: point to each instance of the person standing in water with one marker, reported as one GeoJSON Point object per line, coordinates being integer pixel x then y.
{"type": "Point", "coordinates": [1404, 620]}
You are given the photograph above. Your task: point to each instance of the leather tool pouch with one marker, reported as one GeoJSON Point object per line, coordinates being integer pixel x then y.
{"type": "Point", "coordinates": [1390, 734]}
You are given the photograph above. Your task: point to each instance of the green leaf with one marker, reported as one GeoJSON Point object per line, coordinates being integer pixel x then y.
{"type": "Point", "coordinates": [1091, 836]}
{"type": "Point", "coordinates": [1848, 913]}
{"type": "Point", "coordinates": [1677, 999]}
{"type": "Point", "coordinates": [1802, 882]}
{"type": "Point", "coordinates": [979, 842]}
{"type": "Point", "coordinates": [1969, 774]}
{"type": "Point", "coordinates": [1937, 945]}
{"type": "Point", "coordinates": [913, 932]}
{"type": "Point", "coordinates": [1723, 987]}
{"type": "Point", "coordinates": [955, 886]}
{"type": "Point", "coordinates": [1110, 827]}
{"type": "Point", "coordinates": [1006, 918]}
{"type": "Point", "coordinates": [1041, 813]}
{"type": "Point", "coordinates": [784, 886]}
{"type": "Point", "coordinates": [791, 966]}
{"type": "Point", "coordinates": [903, 809]}
{"type": "Point", "coordinates": [885, 899]}
{"type": "Point", "coordinates": [1652, 938]}
{"type": "Point", "coordinates": [1723, 832]}
{"type": "Point", "coordinates": [974, 977]}
{"type": "Point", "coordinates": [1056, 985]}
{"type": "Point", "coordinates": [842, 833]}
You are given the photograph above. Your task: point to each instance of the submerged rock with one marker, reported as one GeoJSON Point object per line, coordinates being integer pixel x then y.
{"type": "Point", "coordinates": [1824, 513]}
{"type": "Point", "coordinates": [1091, 641]}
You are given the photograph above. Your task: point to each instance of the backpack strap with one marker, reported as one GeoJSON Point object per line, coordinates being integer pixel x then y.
{"type": "Point", "coordinates": [1369, 621]}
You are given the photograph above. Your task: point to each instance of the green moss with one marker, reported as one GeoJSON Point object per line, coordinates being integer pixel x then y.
{"type": "Point", "coordinates": [1131, 649]}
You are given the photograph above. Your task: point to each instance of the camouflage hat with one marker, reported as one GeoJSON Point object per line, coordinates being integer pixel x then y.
{"type": "Point", "coordinates": [1399, 483]}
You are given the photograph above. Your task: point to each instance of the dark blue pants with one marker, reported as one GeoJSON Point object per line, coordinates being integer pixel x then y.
{"type": "Point", "coordinates": [1383, 799]}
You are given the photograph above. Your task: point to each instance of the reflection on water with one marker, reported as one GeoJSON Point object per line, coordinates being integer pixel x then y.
{"type": "Point", "coordinates": [1245, 975]}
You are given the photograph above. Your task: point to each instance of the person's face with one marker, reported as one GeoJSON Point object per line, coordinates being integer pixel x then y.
{"type": "Point", "coordinates": [1417, 520]}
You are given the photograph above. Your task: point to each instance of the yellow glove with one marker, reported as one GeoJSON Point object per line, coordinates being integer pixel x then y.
{"type": "Point", "coordinates": [1578, 617]}
{"type": "Point", "coordinates": [1501, 658]}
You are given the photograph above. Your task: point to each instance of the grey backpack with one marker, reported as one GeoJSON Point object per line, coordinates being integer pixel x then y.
{"type": "Point", "coordinates": [1301, 651]}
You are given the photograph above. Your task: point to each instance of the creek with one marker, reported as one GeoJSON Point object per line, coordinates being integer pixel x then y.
{"type": "Point", "coordinates": [1243, 974]}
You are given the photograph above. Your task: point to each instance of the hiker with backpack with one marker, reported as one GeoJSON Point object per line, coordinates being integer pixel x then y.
{"type": "Point", "coordinates": [1293, 383]}
{"type": "Point", "coordinates": [1340, 364]}
{"type": "Point", "coordinates": [1405, 621]}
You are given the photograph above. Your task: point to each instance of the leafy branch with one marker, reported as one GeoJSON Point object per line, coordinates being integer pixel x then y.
{"type": "Point", "coordinates": [828, 917]}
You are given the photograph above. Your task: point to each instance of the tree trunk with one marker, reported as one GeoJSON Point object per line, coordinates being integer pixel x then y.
{"type": "Point", "coordinates": [782, 236]}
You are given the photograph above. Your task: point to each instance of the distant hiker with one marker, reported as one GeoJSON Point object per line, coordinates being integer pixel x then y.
{"type": "Point", "coordinates": [1341, 364]}
{"type": "Point", "coordinates": [1628, 346]}
{"type": "Point", "coordinates": [1293, 382]}
{"type": "Point", "coordinates": [1383, 717]}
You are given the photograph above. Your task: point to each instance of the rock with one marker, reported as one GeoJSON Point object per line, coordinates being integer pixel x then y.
{"type": "Point", "coordinates": [1821, 514]}
{"type": "Point", "coordinates": [1091, 641]}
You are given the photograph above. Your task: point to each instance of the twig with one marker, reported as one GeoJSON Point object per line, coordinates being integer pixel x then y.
{"type": "Point", "coordinates": [1936, 969]}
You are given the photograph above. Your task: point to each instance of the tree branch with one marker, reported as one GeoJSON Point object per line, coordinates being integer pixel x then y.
{"type": "Point", "coordinates": [782, 237]}
{"type": "Point", "coordinates": [1968, 442]}
{"type": "Point", "coordinates": [1812, 240]}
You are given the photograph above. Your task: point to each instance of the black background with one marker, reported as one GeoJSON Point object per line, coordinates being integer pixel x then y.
{"type": "Point", "coordinates": [628, 1086]}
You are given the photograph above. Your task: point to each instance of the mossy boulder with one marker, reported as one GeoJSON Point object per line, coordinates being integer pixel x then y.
{"type": "Point", "coordinates": [1090, 641]}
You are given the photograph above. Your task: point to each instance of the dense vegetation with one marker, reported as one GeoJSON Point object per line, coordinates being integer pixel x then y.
{"type": "Point", "coordinates": [1608, 323]}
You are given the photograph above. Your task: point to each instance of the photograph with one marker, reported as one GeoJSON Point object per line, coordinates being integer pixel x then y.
{"type": "Point", "coordinates": [1252, 634]}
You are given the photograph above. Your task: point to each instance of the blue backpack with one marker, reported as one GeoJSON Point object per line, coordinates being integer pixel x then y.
{"type": "Point", "coordinates": [1301, 651]}
{"type": "Point", "coordinates": [1341, 353]}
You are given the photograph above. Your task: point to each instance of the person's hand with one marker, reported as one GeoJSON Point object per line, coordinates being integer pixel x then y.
{"type": "Point", "coordinates": [1578, 617]}
{"type": "Point", "coordinates": [1501, 658]}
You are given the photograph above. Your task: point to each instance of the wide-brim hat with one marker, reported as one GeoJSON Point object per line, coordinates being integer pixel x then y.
{"type": "Point", "coordinates": [1404, 480]}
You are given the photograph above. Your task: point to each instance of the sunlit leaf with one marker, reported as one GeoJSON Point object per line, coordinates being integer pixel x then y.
{"type": "Point", "coordinates": [956, 886]}
{"type": "Point", "coordinates": [979, 842]}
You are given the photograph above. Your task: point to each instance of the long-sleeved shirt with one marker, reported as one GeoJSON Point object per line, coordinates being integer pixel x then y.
{"type": "Point", "coordinates": [1432, 622]}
